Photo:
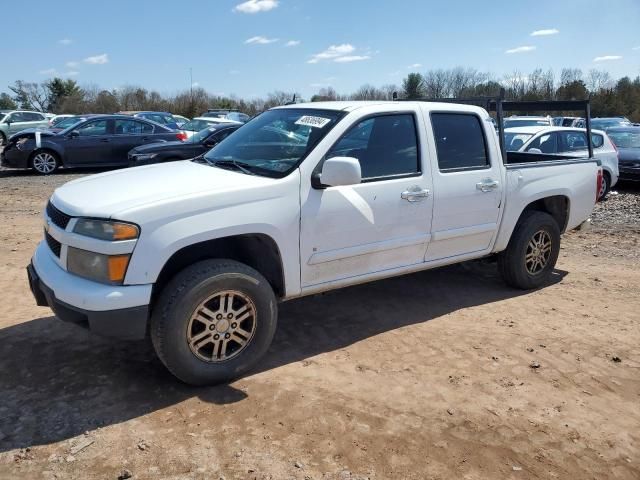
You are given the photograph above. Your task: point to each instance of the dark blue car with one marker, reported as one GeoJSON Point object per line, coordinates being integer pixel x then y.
{"type": "Point", "coordinates": [627, 141]}
{"type": "Point", "coordinates": [98, 141]}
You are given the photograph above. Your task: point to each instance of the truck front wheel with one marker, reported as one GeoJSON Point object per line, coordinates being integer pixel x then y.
{"type": "Point", "coordinates": [213, 321]}
{"type": "Point", "coordinates": [531, 255]}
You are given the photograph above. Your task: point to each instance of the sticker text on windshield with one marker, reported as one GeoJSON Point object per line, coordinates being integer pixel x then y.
{"type": "Point", "coordinates": [310, 121]}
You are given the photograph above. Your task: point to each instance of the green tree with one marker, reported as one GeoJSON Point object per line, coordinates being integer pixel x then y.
{"type": "Point", "coordinates": [574, 90]}
{"type": "Point", "coordinates": [6, 102]}
{"type": "Point", "coordinates": [60, 89]}
{"type": "Point", "coordinates": [413, 86]}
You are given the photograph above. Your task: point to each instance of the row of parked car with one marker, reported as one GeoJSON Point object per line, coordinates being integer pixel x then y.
{"type": "Point", "coordinates": [45, 142]}
{"type": "Point", "coordinates": [615, 141]}
{"type": "Point", "coordinates": [139, 137]}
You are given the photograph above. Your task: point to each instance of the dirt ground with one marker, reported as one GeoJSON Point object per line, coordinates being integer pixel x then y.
{"type": "Point", "coordinates": [428, 376]}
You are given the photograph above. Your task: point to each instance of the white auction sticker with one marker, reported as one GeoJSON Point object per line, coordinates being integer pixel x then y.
{"type": "Point", "coordinates": [316, 122]}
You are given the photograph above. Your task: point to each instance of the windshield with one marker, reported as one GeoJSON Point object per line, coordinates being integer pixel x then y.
{"type": "Point", "coordinates": [274, 143]}
{"type": "Point", "coordinates": [525, 122]}
{"type": "Point", "coordinates": [625, 139]}
{"type": "Point", "coordinates": [514, 141]}
{"type": "Point", "coordinates": [68, 122]}
{"type": "Point", "coordinates": [2, 115]}
{"type": "Point", "coordinates": [604, 124]}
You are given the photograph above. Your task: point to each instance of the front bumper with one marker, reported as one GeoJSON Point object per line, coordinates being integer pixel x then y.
{"type": "Point", "coordinates": [109, 310]}
{"type": "Point", "coordinates": [14, 158]}
{"type": "Point", "coordinates": [629, 173]}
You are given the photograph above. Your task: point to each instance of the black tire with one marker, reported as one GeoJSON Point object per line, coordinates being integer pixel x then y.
{"type": "Point", "coordinates": [606, 186]}
{"type": "Point", "coordinates": [3, 139]}
{"type": "Point", "coordinates": [171, 321]}
{"type": "Point", "coordinates": [42, 168]}
{"type": "Point", "coordinates": [512, 263]}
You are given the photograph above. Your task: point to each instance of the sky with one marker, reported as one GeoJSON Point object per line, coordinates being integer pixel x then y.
{"type": "Point", "coordinates": [250, 48]}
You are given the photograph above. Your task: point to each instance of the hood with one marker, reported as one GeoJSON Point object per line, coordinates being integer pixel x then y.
{"type": "Point", "coordinates": [628, 154]}
{"type": "Point", "coordinates": [31, 133]}
{"type": "Point", "coordinates": [105, 195]}
{"type": "Point", "coordinates": [154, 147]}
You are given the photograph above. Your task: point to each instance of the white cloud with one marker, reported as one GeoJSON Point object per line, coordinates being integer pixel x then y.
{"type": "Point", "coordinates": [333, 51]}
{"type": "Point", "coordinates": [97, 59]}
{"type": "Point", "coordinates": [526, 48]}
{"type": "Point", "coordinates": [636, 48]}
{"type": "Point", "coordinates": [234, 72]}
{"type": "Point", "coordinates": [319, 85]}
{"type": "Point", "coordinates": [351, 58]}
{"type": "Point", "coordinates": [292, 43]}
{"type": "Point", "coordinates": [545, 32]}
{"type": "Point", "coordinates": [260, 40]}
{"type": "Point", "coordinates": [415, 65]}
{"type": "Point", "coordinates": [195, 84]}
{"type": "Point", "coordinates": [72, 64]}
{"type": "Point", "coordinates": [256, 6]}
{"type": "Point", "coordinates": [48, 71]}
{"type": "Point", "coordinates": [65, 41]}
{"type": "Point", "coordinates": [71, 73]}
{"type": "Point", "coordinates": [607, 58]}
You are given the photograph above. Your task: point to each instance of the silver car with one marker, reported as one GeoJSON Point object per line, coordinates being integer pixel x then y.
{"type": "Point", "coordinates": [14, 121]}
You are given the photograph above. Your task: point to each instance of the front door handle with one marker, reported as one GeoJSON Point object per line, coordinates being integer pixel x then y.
{"type": "Point", "coordinates": [487, 185]}
{"type": "Point", "coordinates": [414, 194]}
{"type": "Point", "coordinates": [104, 140]}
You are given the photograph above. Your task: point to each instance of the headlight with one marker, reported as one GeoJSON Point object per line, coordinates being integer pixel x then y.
{"type": "Point", "coordinates": [106, 230]}
{"type": "Point", "coordinates": [97, 266]}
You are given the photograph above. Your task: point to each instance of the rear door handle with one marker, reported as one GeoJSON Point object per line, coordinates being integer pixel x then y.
{"type": "Point", "coordinates": [104, 140]}
{"type": "Point", "coordinates": [487, 185]}
{"type": "Point", "coordinates": [414, 194]}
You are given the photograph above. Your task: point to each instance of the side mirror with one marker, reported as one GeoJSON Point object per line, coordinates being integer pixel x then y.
{"type": "Point", "coordinates": [338, 171]}
{"type": "Point", "coordinates": [74, 134]}
{"type": "Point", "coordinates": [534, 150]}
{"type": "Point", "coordinates": [211, 143]}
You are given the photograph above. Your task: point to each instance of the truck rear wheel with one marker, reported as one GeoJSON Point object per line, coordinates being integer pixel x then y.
{"type": "Point", "coordinates": [532, 253]}
{"type": "Point", "coordinates": [213, 321]}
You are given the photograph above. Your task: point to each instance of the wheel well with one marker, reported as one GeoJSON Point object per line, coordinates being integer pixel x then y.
{"type": "Point", "coordinates": [258, 251]}
{"type": "Point", "coordinates": [556, 206]}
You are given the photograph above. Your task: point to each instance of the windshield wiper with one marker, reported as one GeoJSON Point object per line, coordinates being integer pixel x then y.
{"type": "Point", "coordinates": [243, 167]}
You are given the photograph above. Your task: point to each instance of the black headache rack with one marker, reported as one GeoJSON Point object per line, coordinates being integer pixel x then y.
{"type": "Point", "coordinates": [499, 105]}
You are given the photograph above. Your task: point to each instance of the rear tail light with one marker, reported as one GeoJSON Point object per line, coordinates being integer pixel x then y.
{"type": "Point", "coordinates": [598, 184]}
{"type": "Point", "coordinates": [182, 136]}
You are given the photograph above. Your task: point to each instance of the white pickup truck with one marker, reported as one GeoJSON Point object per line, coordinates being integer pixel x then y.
{"type": "Point", "coordinates": [302, 199]}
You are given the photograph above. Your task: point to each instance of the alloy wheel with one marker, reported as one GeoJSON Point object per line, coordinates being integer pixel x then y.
{"type": "Point", "coordinates": [538, 252]}
{"type": "Point", "coordinates": [222, 326]}
{"type": "Point", "coordinates": [44, 163]}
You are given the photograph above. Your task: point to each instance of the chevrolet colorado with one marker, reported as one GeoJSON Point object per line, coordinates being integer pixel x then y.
{"type": "Point", "coordinates": [302, 199]}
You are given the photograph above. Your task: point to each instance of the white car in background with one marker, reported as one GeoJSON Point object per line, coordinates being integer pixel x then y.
{"type": "Point", "coordinates": [527, 121]}
{"type": "Point", "coordinates": [200, 123]}
{"type": "Point", "coordinates": [568, 141]}
{"type": "Point", "coordinates": [58, 118]}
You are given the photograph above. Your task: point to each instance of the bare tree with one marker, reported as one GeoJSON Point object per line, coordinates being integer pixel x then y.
{"type": "Point", "coordinates": [598, 80]}
{"type": "Point", "coordinates": [570, 75]}
{"type": "Point", "coordinates": [436, 84]}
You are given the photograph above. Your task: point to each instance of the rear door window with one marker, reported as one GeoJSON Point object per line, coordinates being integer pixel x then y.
{"type": "Point", "coordinates": [385, 146]}
{"type": "Point", "coordinates": [460, 142]}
